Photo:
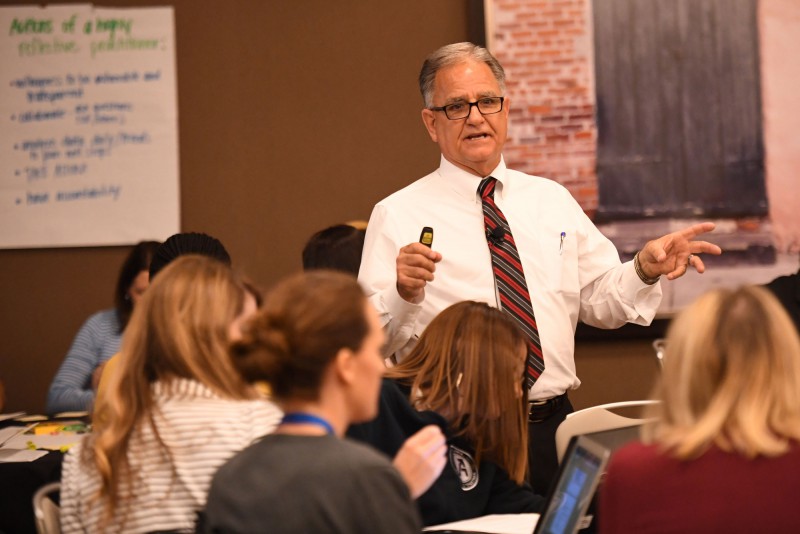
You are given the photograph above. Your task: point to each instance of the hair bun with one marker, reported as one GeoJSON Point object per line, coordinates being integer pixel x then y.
{"type": "Point", "coordinates": [262, 352]}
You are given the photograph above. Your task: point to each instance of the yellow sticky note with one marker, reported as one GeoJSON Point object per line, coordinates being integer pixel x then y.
{"type": "Point", "coordinates": [44, 429]}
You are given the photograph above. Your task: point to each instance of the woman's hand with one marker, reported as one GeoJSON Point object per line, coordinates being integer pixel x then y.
{"type": "Point", "coordinates": [421, 459]}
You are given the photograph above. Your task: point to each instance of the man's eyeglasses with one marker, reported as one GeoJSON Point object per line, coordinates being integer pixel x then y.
{"type": "Point", "coordinates": [487, 106]}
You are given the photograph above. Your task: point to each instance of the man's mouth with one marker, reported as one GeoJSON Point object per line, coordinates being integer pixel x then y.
{"type": "Point", "coordinates": [477, 136]}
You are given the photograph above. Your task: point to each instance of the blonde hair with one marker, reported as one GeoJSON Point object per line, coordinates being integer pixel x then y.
{"type": "Point", "coordinates": [731, 377]}
{"type": "Point", "coordinates": [178, 330]}
{"type": "Point", "coordinates": [466, 367]}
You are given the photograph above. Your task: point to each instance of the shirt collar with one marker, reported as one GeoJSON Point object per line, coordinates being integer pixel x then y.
{"type": "Point", "coordinates": [465, 184]}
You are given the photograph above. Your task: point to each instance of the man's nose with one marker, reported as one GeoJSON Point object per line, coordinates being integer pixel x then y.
{"type": "Point", "coordinates": [475, 114]}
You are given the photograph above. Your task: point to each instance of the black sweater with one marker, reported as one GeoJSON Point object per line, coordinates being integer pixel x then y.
{"type": "Point", "coordinates": [461, 491]}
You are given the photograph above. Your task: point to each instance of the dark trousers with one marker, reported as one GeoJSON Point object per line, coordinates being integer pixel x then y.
{"type": "Point", "coordinates": [542, 457]}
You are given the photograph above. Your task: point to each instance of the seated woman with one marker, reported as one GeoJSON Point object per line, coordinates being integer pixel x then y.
{"type": "Point", "coordinates": [75, 383]}
{"type": "Point", "coordinates": [175, 409]}
{"type": "Point", "coordinates": [723, 454]}
{"type": "Point", "coordinates": [317, 342]}
{"type": "Point", "coordinates": [465, 375]}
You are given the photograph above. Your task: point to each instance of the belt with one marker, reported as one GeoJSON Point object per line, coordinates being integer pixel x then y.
{"type": "Point", "coordinates": [539, 410]}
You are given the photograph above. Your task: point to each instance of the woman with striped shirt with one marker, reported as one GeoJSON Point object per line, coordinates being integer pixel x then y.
{"type": "Point", "coordinates": [73, 387]}
{"type": "Point", "coordinates": [176, 408]}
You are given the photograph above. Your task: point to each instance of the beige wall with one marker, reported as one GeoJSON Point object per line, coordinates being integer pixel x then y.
{"type": "Point", "coordinates": [283, 131]}
{"type": "Point", "coordinates": [293, 115]}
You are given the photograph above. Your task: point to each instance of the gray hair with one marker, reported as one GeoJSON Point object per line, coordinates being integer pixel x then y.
{"type": "Point", "coordinates": [453, 54]}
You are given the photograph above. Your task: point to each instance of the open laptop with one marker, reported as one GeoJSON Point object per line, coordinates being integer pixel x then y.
{"type": "Point", "coordinates": [576, 481]}
{"type": "Point", "coordinates": [578, 476]}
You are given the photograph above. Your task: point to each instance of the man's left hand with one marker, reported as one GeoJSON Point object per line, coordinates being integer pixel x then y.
{"type": "Point", "coordinates": [674, 253]}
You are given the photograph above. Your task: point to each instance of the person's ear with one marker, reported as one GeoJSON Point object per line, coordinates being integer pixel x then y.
{"type": "Point", "coordinates": [429, 119]}
{"type": "Point", "coordinates": [344, 366]}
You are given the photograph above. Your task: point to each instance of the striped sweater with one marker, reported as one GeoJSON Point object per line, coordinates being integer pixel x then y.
{"type": "Point", "coordinates": [97, 340]}
{"type": "Point", "coordinates": [201, 431]}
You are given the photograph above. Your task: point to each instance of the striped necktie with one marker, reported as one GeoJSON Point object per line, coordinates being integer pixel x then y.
{"type": "Point", "coordinates": [510, 278]}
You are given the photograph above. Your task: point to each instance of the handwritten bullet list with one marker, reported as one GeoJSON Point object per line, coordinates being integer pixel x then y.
{"type": "Point", "coordinates": [90, 114]}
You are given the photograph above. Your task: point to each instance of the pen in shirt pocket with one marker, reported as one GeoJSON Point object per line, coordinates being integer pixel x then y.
{"type": "Point", "coordinates": [561, 243]}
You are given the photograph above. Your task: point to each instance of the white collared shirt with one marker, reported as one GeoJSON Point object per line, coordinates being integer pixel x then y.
{"type": "Point", "coordinates": [577, 278]}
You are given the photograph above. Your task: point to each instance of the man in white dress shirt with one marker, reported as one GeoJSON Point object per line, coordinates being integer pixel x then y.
{"type": "Point", "coordinates": [572, 271]}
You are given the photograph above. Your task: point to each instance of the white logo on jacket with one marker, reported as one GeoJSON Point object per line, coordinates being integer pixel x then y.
{"type": "Point", "coordinates": [464, 466]}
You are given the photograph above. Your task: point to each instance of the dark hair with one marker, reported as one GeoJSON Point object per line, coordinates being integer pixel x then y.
{"type": "Point", "coordinates": [304, 323]}
{"type": "Point", "coordinates": [138, 260]}
{"type": "Point", "coordinates": [188, 243]}
{"type": "Point", "coordinates": [338, 248]}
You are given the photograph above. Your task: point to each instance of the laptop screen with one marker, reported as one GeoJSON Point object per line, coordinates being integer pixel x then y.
{"type": "Point", "coordinates": [577, 479]}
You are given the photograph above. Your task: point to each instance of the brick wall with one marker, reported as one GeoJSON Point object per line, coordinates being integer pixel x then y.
{"type": "Point", "coordinates": [545, 47]}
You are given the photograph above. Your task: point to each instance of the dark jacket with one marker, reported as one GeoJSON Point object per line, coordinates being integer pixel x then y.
{"type": "Point", "coordinates": [787, 290]}
{"type": "Point", "coordinates": [461, 491]}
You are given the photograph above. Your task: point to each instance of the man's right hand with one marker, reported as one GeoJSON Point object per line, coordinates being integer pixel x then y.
{"type": "Point", "coordinates": [416, 264]}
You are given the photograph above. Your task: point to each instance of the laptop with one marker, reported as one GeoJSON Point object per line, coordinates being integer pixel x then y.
{"type": "Point", "coordinates": [576, 481]}
{"type": "Point", "coordinates": [578, 476]}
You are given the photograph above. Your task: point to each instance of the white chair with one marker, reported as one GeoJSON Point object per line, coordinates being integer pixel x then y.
{"type": "Point", "coordinates": [46, 511]}
{"type": "Point", "coordinates": [596, 419]}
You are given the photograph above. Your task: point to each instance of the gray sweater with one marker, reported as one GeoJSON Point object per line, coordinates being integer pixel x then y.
{"type": "Point", "coordinates": [321, 484]}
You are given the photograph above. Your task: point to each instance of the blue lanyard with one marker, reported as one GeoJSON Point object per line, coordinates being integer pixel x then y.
{"type": "Point", "coordinates": [307, 418]}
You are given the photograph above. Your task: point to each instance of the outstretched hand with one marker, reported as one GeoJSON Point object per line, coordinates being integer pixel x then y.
{"type": "Point", "coordinates": [674, 253]}
{"type": "Point", "coordinates": [421, 459]}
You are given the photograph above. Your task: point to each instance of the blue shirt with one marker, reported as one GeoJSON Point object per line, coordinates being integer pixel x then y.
{"type": "Point", "coordinates": [98, 340]}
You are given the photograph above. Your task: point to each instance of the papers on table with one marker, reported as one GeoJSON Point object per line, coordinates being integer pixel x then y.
{"type": "Point", "coordinates": [30, 418]}
{"type": "Point", "coordinates": [9, 432]}
{"type": "Point", "coordinates": [17, 455]}
{"type": "Point", "coordinates": [494, 524]}
{"type": "Point", "coordinates": [54, 436]}
{"type": "Point", "coordinates": [71, 415]}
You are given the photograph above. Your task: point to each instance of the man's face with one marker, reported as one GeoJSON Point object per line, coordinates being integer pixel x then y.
{"type": "Point", "coordinates": [474, 143]}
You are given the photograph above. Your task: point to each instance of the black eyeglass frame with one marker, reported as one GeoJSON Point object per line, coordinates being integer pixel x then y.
{"type": "Point", "coordinates": [469, 110]}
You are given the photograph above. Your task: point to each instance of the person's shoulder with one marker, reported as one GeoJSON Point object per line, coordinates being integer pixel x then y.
{"type": "Point", "coordinates": [636, 452]}
{"type": "Point", "coordinates": [392, 389]}
{"type": "Point", "coordinates": [103, 318]}
{"type": "Point", "coordinates": [396, 394]}
{"type": "Point", "coordinates": [359, 454]}
{"type": "Point", "coordinates": [520, 179]}
{"type": "Point", "coordinates": [103, 323]}
{"type": "Point", "coordinates": [410, 191]}
{"type": "Point", "coordinates": [787, 284]}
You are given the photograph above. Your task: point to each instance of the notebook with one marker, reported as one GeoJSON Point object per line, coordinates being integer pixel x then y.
{"type": "Point", "coordinates": [578, 476]}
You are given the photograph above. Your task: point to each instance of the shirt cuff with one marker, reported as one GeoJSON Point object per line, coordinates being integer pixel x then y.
{"type": "Point", "coordinates": [399, 309]}
{"type": "Point", "coordinates": [644, 298]}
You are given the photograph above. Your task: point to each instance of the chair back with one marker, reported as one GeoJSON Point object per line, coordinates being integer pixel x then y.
{"type": "Point", "coordinates": [46, 511]}
{"type": "Point", "coordinates": [597, 419]}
